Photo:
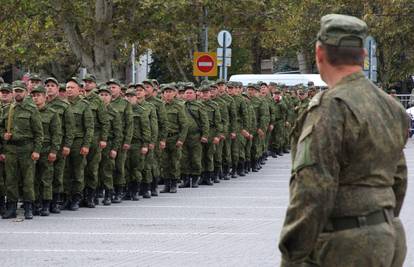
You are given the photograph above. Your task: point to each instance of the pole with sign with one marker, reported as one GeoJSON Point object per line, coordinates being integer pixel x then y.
{"type": "Point", "coordinates": [205, 64]}
{"type": "Point", "coordinates": [224, 53]}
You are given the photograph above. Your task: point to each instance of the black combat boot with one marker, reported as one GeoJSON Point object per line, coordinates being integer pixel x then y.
{"type": "Point", "coordinates": [2, 205]}
{"type": "Point", "coordinates": [90, 199]}
{"type": "Point", "coordinates": [215, 176]}
{"type": "Point", "coordinates": [240, 169]}
{"type": "Point", "coordinates": [273, 154]}
{"type": "Point", "coordinates": [154, 187]}
{"type": "Point", "coordinates": [173, 188]}
{"type": "Point", "coordinates": [28, 210]}
{"type": "Point", "coordinates": [186, 182]}
{"type": "Point", "coordinates": [128, 192]}
{"type": "Point", "coordinates": [279, 152]}
{"type": "Point", "coordinates": [246, 167]}
{"type": "Point", "coordinates": [100, 192]}
{"type": "Point", "coordinates": [74, 204]}
{"type": "Point", "coordinates": [117, 195]}
{"type": "Point", "coordinates": [195, 181]}
{"type": "Point", "coordinates": [207, 179]}
{"type": "Point", "coordinates": [134, 190]}
{"type": "Point", "coordinates": [254, 166]}
{"type": "Point", "coordinates": [45, 208]}
{"type": "Point", "coordinates": [107, 197]}
{"type": "Point", "coordinates": [36, 208]}
{"type": "Point", "coordinates": [10, 212]}
{"type": "Point", "coordinates": [167, 186]}
{"type": "Point", "coordinates": [226, 171]}
{"type": "Point", "coordinates": [233, 171]}
{"type": "Point", "coordinates": [285, 150]}
{"type": "Point", "coordinates": [146, 190]}
{"type": "Point", "coordinates": [54, 205]}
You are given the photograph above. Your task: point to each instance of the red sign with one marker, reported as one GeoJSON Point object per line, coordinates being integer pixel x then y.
{"type": "Point", "coordinates": [205, 64]}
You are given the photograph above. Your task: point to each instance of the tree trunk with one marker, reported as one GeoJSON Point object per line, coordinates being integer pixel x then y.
{"type": "Point", "coordinates": [256, 50]}
{"type": "Point", "coordinates": [305, 65]}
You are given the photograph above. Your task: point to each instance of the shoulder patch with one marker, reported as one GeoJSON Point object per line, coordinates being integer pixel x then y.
{"type": "Point", "coordinates": [316, 100]}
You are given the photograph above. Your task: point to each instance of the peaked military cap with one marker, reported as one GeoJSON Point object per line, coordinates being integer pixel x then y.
{"type": "Point", "coordinates": [19, 85]}
{"type": "Point", "coordinates": [131, 92]}
{"type": "Point", "coordinates": [148, 81]}
{"type": "Point", "coordinates": [6, 87]}
{"type": "Point", "coordinates": [342, 30]}
{"type": "Point", "coordinates": [75, 80]}
{"type": "Point", "coordinates": [34, 77]}
{"type": "Point", "coordinates": [62, 87]}
{"type": "Point", "coordinates": [114, 81]}
{"type": "Point", "coordinates": [53, 80]}
{"type": "Point", "coordinates": [140, 85]}
{"type": "Point", "coordinates": [167, 86]}
{"type": "Point", "coordinates": [90, 77]}
{"type": "Point", "coordinates": [104, 88]}
{"type": "Point", "coordinates": [254, 86]}
{"type": "Point", "coordinates": [232, 84]}
{"type": "Point", "coordinates": [39, 89]}
{"type": "Point", "coordinates": [155, 82]}
{"type": "Point", "coordinates": [221, 81]}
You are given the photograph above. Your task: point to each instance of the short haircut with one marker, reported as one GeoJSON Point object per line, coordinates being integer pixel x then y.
{"type": "Point", "coordinates": [339, 55]}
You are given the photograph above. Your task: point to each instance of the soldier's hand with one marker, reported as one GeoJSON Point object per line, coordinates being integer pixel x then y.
{"type": "Point", "coordinates": [35, 156]}
{"type": "Point", "coordinates": [144, 150]}
{"type": "Point", "coordinates": [162, 144]}
{"type": "Point", "coordinates": [251, 137]}
{"type": "Point", "coordinates": [216, 140]}
{"type": "Point", "coordinates": [233, 136]}
{"type": "Point", "coordinates": [222, 137]}
{"type": "Point", "coordinates": [151, 146]}
{"type": "Point", "coordinates": [245, 134]}
{"type": "Point", "coordinates": [65, 151]}
{"type": "Point", "coordinates": [2, 157]}
{"type": "Point", "coordinates": [102, 144]}
{"type": "Point", "coordinates": [51, 157]}
{"type": "Point", "coordinates": [261, 133]}
{"type": "Point", "coordinates": [84, 151]}
{"type": "Point", "coordinates": [7, 136]}
{"type": "Point", "coordinates": [113, 154]}
{"type": "Point", "coordinates": [126, 146]}
{"type": "Point", "coordinates": [179, 144]}
{"type": "Point", "coordinates": [271, 127]}
{"type": "Point", "coordinates": [204, 140]}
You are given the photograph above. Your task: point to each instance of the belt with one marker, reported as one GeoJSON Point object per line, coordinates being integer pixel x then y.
{"type": "Point", "coordinates": [344, 223]}
{"type": "Point", "coordinates": [172, 134]}
{"type": "Point", "coordinates": [19, 142]}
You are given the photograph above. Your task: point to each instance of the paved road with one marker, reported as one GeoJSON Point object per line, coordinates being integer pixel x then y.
{"type": "Point", "coordinates": [234, 223]}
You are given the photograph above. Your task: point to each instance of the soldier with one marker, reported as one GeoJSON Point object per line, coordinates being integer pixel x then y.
{"type": "Point", "coordinates": [177, 127]}
{"type": "Point", "coordinates": [52, 132]}
{"type": "Point", "coordinates": [215, 131]}
{"type": "Point", "coordinates": [349, 175]}
{"type": "Point", "coordinates": [62, 91]}
{"type": "Point", "coordinates": [304, 102]}
{"type": "Point", "coordinates": [64, 111]}
{"type": "Point", "coordinates": [265, 95]}
{"type": "Point", "coordinates": [99, 141]}
{"type": "Point", "coordinates": [277, 134]}
{"type": "Point", "coordinates": [83, 133]}
{"type": "Point", "coordinates": [198, 131]}
{"type": "Point", "coordinates": [262, 115]}
{"type": "Point", "coordinates": [23, 135]}
{"type": "Point", "coordinates": [6, 97]}
{"type": "Point", "coordinates": [162, 131]}
{"type": "Point", "coordinates": [141, 138]}
{"type": "Point", "coordinates": [34, 81]}
{"type": "Point", "coordinates": [109, 153]}
{"type": "Point", "coordinates": [124, 108]}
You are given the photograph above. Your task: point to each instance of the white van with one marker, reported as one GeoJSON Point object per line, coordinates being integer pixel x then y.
{"type": "Point", "coordinates": [287, 79]}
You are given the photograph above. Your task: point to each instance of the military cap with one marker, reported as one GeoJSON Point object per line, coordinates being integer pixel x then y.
{"type": "Point", "coordinates": [6, 87]}
{"type": "Point", "coordinates": [254, 86]}
{"type": "Point", "coordinates": [277, 91]}
{"type": "Point", "coordinates": [34, 77]}
{"type": "Point", "coordinates": [148, 81]}
{"type": "Point", "coordinates": [104, 88]}
{"type": "Point", "coordinates": [167, 86]}
{"type": "Point", "coordinates": [19, 85]}
{"type": "Point", "coordinates": [261, 83]}
{"type": "Point", "coordinates": [155, 82]}
{"type": "Point", "coordinates": [221, 81]}
{"type": "Point", "coordinates": [205, 82]}
{"type": "Point", "coordinates": [232, 84]}
{"type": "Point", "coordinates": [342, 30]}
{"type": "Point", "coordinates": [39, 89]}
{"type": "Point", "coordinates": [239, 84]}
{"type": "Point", "coordinates": [189, 85]}
{"type": "Point", "coordinates": [62, 87]}
{"type": "Point", "coordinates": [75, 80]}
{"type": "Point", "coordinates": [114, 81]}
{"type": "Point", "coordinates": [89, 77]}
{"type": "Point", "coordinates": [205, 88]}
{"type": "Point", "coordinates": [140, 85]}
{"type": "Point", "coordinates": [51, 79]}
{"type": "Point", "coordinates": [1, 80]}
{"type": "Point", "coordinates": [131, 85]}
{"type": "Point", "coordinates": [273, 84]}
{"type": "Point", "coordinates": [131, 92]}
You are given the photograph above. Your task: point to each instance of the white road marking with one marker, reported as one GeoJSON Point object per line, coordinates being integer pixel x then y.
{"type": "Point", "coordinates": [133, 251]}
{"type": "Point", "coordinates": [193, 207]}
{"type": "Point", "coordinates": [126, 233]}
{"type": "Point", "coordinates": [138, 219]}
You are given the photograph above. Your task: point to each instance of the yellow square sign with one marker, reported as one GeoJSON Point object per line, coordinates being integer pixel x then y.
{"type": "Point", "coordinates": [205, 64]}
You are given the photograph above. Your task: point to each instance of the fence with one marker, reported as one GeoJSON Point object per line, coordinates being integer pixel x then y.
{"type": "Point", "coordinates": [405, 100]}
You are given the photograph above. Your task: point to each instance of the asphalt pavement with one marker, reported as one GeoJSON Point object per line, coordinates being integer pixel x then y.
{"type": "Point", "coordinates": [233, 223]}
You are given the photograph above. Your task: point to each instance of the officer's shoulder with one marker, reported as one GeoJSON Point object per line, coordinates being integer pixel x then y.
{"type": "Point", "coordinates": [61, 102]}
{"type": "Point", "coordinates": [29, 105]}
{"type": "Point", "coordinates": [316, 100]}
{"type": "Point", "coordinates": [85, 101]}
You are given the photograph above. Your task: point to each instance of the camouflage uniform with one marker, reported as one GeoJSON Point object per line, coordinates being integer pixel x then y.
{"type": "Point", "coordinates": [349, 174]}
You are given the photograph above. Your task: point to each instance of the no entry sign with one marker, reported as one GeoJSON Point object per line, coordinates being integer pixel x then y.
{"type": "Point", "coordinates": [205, 64]}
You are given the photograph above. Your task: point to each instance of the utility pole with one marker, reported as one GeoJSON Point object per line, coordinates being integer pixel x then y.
{"type": "Point", "coordinates": [205, 32]}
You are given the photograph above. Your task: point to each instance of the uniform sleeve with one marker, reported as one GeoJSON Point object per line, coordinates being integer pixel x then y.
{"type": "Point", "coordinates": [182, 119]}
{"type": "Point", "coordinates": [129, 124]}
{"type": "Point", "coordinates": [205, 127]}
{"type": "Point", "coordinates": [162, 122]}
{"type": "Point", "coordinates": [117, 131]}
{"type": "Point", "coordinates": [146, 127]}
{"type": "Point", "coordinates": [37, 129]}
{"type": "Point", "coordinates": [314, 181]}
{"type": "Point", "coordinates": [244, 112]}
{"type": "Point", "coordinates": [154, 125]}
{"type": "Point", "coordinates": [103, 118]}
{"type": "Point", "coordinates": [400, 184]}
{"type": "Point", "coordinates": [88, 126]}
{"type": "Point", "coordinates": [68, 126]}
{"type": "Point", "coordinates": [272, 111]}
{"type": "Point", "coordinates": [217, 122]}
{"type": "Point", "coordinates": [232, 115]}
{"type": "Point", "coordinates": [56, 134]}
{"type": "Point", "coordinates": [263, 117]}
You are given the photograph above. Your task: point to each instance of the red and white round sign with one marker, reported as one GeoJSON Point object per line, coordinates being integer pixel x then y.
{"type": "Point", "coordinates": [205, 63]}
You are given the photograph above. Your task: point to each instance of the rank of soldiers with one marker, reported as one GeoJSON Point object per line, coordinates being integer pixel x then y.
{"type": "Point", "coordinates": [65, 146]}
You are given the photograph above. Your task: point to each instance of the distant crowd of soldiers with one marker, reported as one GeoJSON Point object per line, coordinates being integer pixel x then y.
{"type": "Point", "coordinates": [64, 146]}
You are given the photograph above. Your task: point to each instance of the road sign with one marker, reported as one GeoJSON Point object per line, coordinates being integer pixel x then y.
{"type": "Point", "coordinates": [370, 62]}
{"type": "Point", "coordinates": [224, 38]}
{"type": "Point", "coordinates": [205, 64]}
{"type": "Point", "coordinates": [220, 52]}
{"type": "Point", "coordinates": [220, 61]}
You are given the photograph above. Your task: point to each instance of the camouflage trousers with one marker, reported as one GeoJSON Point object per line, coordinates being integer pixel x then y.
{"type": "Point", "coordinates": [135, 164]}
{"type": "Point", "coordinates": [376, 245]}
{"type": "Point", "coordinates": [235, 149]}
{"type": "Point", "coordinates": [106, 169]}
{"type": "Point", "coordinates": [219, 153]}
{"type": "Point", "coordinates": [119, 171]}
{"type": "Point", "coordinates": [2, 181]}
{"type": "Point", "coordinates": [276, 138]}
{"type": "Point", "coordinates": [208, 157]}
{"type": "Point", "coordinates": [20, 170]}
{"type": "Point", "coordinates": [191, 158]}
{"type": "Point", "coordinates": [58, 171]}
{"type": "Point", "coordinates": [171, 158]}
{"type": "Point", "coordinates": [92, 165]}
{"type": "Point", "coordinates": [43, 178]}
{"type": "Point", "coordinates": [74, 179]}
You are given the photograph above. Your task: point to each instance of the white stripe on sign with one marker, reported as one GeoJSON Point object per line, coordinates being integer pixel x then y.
{"type": "Point", "coordinates": [205, 64]}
